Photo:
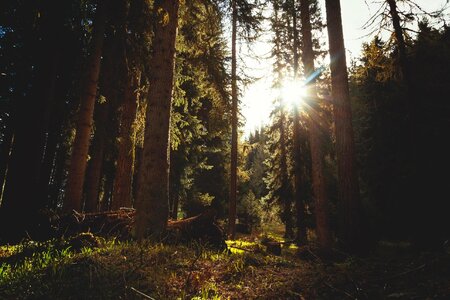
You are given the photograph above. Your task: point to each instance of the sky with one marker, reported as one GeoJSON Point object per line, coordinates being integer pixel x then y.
{"type": "Point", "coordinates": [257, 98]}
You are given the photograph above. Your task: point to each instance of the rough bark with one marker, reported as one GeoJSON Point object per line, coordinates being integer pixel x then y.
{"type": "Point", "coordinates": [234, 123]}
{"type": "Point", "coordinates": [301, 237]}
{"type": "Point", "coordinates": [350, 231]}
{"type": "Point", "coordinates": [136, 170]}
{"type": "Point", "coordinates": [152, 202]}
{"type": "Point", "coordinates": [317, 168]}
{"type": "Point", "coordinates": [78, 161]}
{"type": "Point", "coordinates": [285, 194]}
{"type": "Point", "coordinates": [122, 188]}
{"type": "Point", "coordinates": [94, 170]}
{"type": "Point", "coordinates": [298, 178]}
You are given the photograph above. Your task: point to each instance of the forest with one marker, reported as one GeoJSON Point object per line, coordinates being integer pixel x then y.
{"type": "Point", "coordinates": [126, 173]}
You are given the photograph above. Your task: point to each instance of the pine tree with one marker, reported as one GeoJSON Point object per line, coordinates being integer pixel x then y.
{"type": "Point", "coordinates": [152, 203]}
{"type": "Point", "coordinates": [78, 163]}
{"type": "Point", "coordinates": [318, 178]}
{"type": "Point", "coordinates": [351, 232]}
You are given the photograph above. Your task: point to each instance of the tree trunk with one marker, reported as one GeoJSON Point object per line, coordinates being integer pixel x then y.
{"type": "Point", "coordinates": [301, 237]}
{"type": "Point", "coordinates": [122, 196]}
{"type": "Point", "coordinates": [175, 202]}
{"type": "Point", "coordinates": [152, 203]}
{"type": "Point", "coordinates": [298, 179]}
{"type": "Point", "coordinates": [136, 170]}
{"type": "Point", "coordinates": [285, 194]}
{"type": "Point", "coordinates": [108, 181]}
{"type": "Point", "coordinates": [350, 231]}
{"type": "Point", "coordinates": [58, 176]}
{"type": "Point", "coordinates": [94, 170]}
{"type": "Point", "coordinates": [234, 123]}
{"type": "Point", "coordinates": [53, 138]}
{"type": "Point", "coordinates": [78, 162]}
{"type": "Point", "coordinates": [317, 170]}
{"type": "Point", "coordinates": [398, 31]}
{"type": "Point", "coordinates": [30, 121]}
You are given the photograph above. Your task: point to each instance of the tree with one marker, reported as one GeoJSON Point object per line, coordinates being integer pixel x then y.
{"type": "Point", "coordinates": [234, 124]}
{"type": "Point", "coordinates": [298, 195]}
{"type": "Point", "coordinates": [78, 161]}
{"type": "Point", "coordinates": [152, 203]}
{"type": "Point", "coordinates": [350, 231]}
{"type": "Point", "coordinates": [34, 34]}
{"type": "Point", "coordinates": [318, 178]}
{"type": "Point", "coordinates": [122, 187]}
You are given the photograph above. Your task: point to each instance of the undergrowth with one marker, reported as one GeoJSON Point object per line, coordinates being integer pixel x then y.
{"type": "Point", "coordinates": [127, 270]}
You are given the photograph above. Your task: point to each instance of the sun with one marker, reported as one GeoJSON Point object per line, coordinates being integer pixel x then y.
{"type": "Point", "coordinates": [293, 93]}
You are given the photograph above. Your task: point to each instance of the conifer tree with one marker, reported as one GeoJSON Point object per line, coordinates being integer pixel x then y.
{"type": "Point", "coordinates": [318, 178]}
{"type": "Point", "coordinates": [350, 232]}
{"type": "Point", "coordinates": [78, 162]}
{"type": "Point", "coordinates": [152, 203]}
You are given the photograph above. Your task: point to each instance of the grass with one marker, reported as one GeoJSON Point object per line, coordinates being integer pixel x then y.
{"type": "Point", "coordinates": [127, 270]}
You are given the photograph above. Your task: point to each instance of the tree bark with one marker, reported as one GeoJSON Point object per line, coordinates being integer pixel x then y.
{"type": "Point", "coordinates": [234, 123]}
{"type": "Point", "coordinates": [175, 202]}
{"type": "Point", "coordinates": [398, 31]}
{"type": "Point", "coordinates": [298, 179]}
{"type": "Point", "coordinates": [56, 124]}
{"type": "Point", "coordinates": [317, 169]}
{"type": "Point", "coordinates": [30, 121]}
{"type": "Point", "coordinates": [350, 231]}
{"type": "Point", "coordinates": [301, 237]}
{"type": "Point", "coordinates": [78, 162]}
{"type": "Point", "coordinates": [58, 175]}
{"type": "Point", "coordinates": [136, 170]}
{"type": "Point", "coordinates": [285, 195]}
{"type": "Point", "coordinates": [94, 170]}
{"type": "Point", "coordinates": [152, 203]}
{"type": "Point", "coordinates": [122, 196]}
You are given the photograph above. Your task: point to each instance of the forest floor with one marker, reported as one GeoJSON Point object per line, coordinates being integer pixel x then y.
{"type": "Point", "coordinates": [108, 269]}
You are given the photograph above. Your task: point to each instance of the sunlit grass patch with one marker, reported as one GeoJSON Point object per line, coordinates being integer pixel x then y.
{"type": "Point", "coordinates": [240, 246]}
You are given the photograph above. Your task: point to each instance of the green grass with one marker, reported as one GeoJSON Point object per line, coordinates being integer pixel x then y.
{"type": "Point", "coordinates": [128, 270]}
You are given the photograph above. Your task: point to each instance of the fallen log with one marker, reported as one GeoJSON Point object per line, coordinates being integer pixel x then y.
{"type": "Point", "coordinates": [119, 224]}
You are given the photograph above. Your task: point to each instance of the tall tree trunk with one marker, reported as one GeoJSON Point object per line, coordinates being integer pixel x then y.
{"type": "Point", "coordinates": [398, 31]}
{"type": "Point", "coordinates": [136, 170]}
{"type": "Point", "coordinates": [152, 203]}
{"type": "Point", "coordinates": [318, 178]}
{"type": "Point", "coordinates": [57, 176]}
{"type": "Point", "coordinates": [103, 113]}
{"type": "Point", "coordinates": [175, 203]}
{"type": "Point", "coordinates": [108, 181]}
{"type": "Point", "coordinates": [404, 69]}
{"type": "Point", "coordinates": [300, 209]}
{"type": "Point", "coordinates": [94, 170]}
{"type": "Point", "coordinates": [127, 136]}
{"type": "Point", "coordinates": [285, 194]}
{"type": "Point", "coordinates": [298, 180]}
{"type": "Point", "coordinates": [58, 115]}
{"type": "Point", "coordinates": [30, 121]}
{"type": "Point", "coordinates": [78, 162]}
{"type": "Point", "coordinates": [350, 231]}
{"type": "Point", "coordinates": [234, 123]}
